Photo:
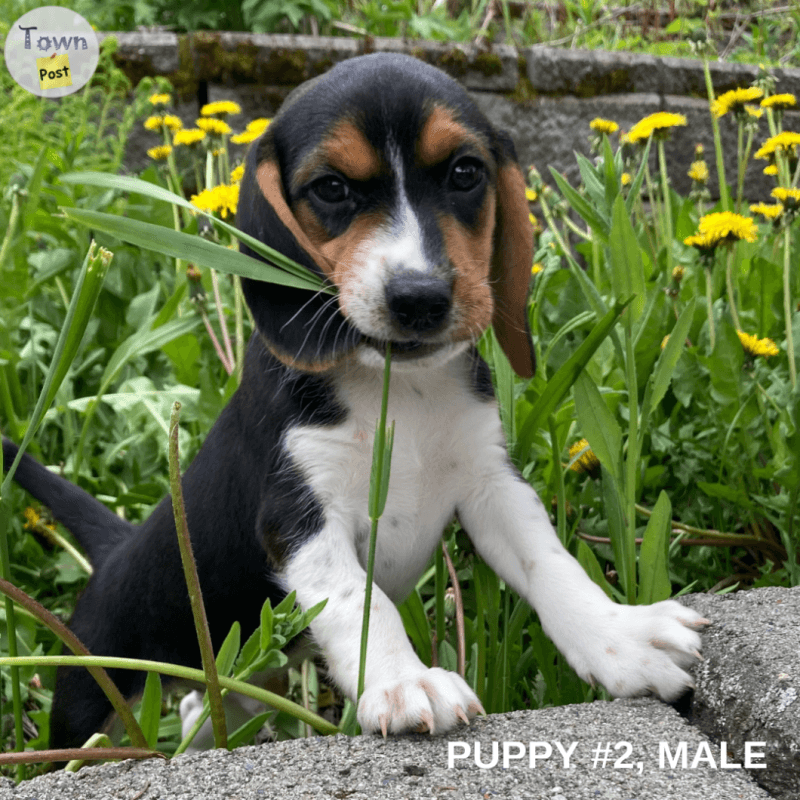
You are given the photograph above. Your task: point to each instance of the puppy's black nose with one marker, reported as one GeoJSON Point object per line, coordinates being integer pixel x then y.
{"type": "Point", "coordinates": [418, 303]}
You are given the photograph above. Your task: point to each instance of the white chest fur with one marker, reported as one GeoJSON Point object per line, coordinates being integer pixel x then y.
{"type": "Point", "coordinates": [441, 427]}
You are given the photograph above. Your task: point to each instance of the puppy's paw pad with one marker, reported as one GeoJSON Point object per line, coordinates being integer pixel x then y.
{"type": "Point", "coordinates": [432, 701]}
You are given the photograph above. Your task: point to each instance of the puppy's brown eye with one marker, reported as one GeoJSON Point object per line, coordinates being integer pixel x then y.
{"type": "Point", "coordinates": [466, 174]}
{"type": "Point", "coordinates": [331, 190]}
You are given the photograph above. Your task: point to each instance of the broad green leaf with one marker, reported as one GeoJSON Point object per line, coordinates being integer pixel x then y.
{"type": "Point", "coordinates": [654, 583]}
{"type": "Point", "coordinates": [622, 544]}
{"type": "Point", "coordinates": [636, 185]}
{"type": "Point", "coordinates": [592, 182]}
{"type": "Point", "coordinates": [190, 248]}
{"type": "Point", "coordinates": [625, 258]}
{"type": "Point", "coordinates": [598, 424]}
{"type": "Point", "coordinates": [247, 654]}
{"type": "Point", "coordinates": [247, 731]}
{"type": "Point", "coordinates": [415, 621]}
{"type": "Point", "coordinates": [588, 560]}
{"type": "Point", "coordinates": [612, 179]}
{"type": "Point", "coordinates": [143, 342]}
{"type": "Point", "coordinates": [580, 204]}
{"type": "Point", "coordinates": [128, 184]}
{"type": "Point", "coordinates": [309, 616]}
{"type": "Point", "coordinates": [267, 622]}
{"type": "Point", "coordinates": [665, 367]}
{"type": "Point", "coordinates": [559, 385]}
{"type": "Point", "coordinates": [286, 605]}
{"type": "Point", "coordinates": [229, 650]}
{"type": "Point", "coordinates": [150, 714]}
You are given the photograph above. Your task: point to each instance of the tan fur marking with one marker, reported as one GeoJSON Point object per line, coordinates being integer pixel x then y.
{"type": "Point", "coordinates": [440, 136]}
{"type": "Point", "coordinates": [269, 181]}
{"type": "Point", "coordinates": [470, 253]}
{"type": "Point", "coordinates": [342, 251]}
{"type": "Point", "coordinates": [349, 151]}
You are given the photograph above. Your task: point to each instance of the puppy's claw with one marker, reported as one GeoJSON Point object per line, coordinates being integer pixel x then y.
{"type": "Point", "coordinates": [697, 624]}
{"type": "Point", "coordinates": [476, 708]}
{"type": "Point", "coordinates": [426, 723]}
{"type": "Point", "coordinates": [384, 721]}
{"type": "Point", "coordinates": [698, 655]}
{"type": "Point", "coordinates": [461, 715]}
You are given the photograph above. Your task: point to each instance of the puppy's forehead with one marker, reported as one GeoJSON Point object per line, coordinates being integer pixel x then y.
{"type": "Point", "coordinates": [363, 104]}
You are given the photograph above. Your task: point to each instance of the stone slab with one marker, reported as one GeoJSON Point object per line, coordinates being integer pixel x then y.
{"type": "Point", "coordinates": [748, 687]}
{"type": "Point", "coordinates": [416, 766]}
{"type": "Point", "coordinates": [589, 73]}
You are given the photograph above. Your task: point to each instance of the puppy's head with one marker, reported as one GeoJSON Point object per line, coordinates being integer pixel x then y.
{"type": "Point", "coordinates": [383, 176]}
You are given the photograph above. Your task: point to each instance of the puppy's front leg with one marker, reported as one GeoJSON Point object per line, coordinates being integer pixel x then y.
{"type": "Point", "coordinates": [631, 650]}
{"type": "Point", "coordinates": [400, 692]}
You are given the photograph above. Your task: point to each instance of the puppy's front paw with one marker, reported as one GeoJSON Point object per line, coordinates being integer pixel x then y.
{"type": "Point", "coordinates": [432, 700]}
{"type": "Point", "coordinates": [646, 650]}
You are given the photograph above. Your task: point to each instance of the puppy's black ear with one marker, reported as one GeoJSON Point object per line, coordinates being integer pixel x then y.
{"type": "Point", "coordinates": [512, 260]}
{"type": "Point", "coordinates": [303, 329]}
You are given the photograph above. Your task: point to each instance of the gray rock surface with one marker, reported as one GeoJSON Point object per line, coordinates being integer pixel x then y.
{"type": "Point", "coordinates": [369, 768]}
{"type": "Point", "coordinates": [748, 687]}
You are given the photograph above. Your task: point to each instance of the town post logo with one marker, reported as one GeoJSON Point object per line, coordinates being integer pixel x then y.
{"type": "Point", "coordinates": [51, 51]}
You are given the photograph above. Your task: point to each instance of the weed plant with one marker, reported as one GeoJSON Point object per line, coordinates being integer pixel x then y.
{"type": "Point", "coordinates": [661, 426]}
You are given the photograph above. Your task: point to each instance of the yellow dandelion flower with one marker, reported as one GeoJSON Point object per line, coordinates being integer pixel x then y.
{"type": "Point", "coordinates": [531, 195]}
{"type": "Point", "coordinates": [606, 126]}
{"type": "Point", "coordinates": [698, 172]}
{"type": "Point", "coordinates": [32, 517]}
{"type": "Point", "coordinates": [701, 241]}
{"type": "Point", "coordinates": [221, 199]}
{"type": "Point", "coordinates": [245, 137]}
{"type": "Point", "coordinates": [210, 125]}
{"type": "Point", "coordinates": [772, 169]}
{"type": "Point", "coordinates": [786, 141]}
{"type": "Point", "coordinates": [532, 220]}
{"type": "Point", "coordinates": [725, 226]}
{"type": "Point", "coordinates": [237, 174]}
{"type": "Point", "coordinates": [159, 153]}
{"type": "Point", "coordinates": [625, 179]}
{"type": "Point", "coordinates": [582, 457]}
{"type": "Point", "coordinates": [779, 101]}
{"type": "Point", "coordinates": [677, 273]}
{"type": "Point", "coordinates": [735, 101]}
{"type": "Point", "coordinates": [154, 123]}
{"type": "Point", "coordinates": [766, 210]}
{"type": "Point", "coordinates": [159, 99]}
{"type": "Point", "coordinates": [259, 125]}
{"type": "Point", "coordinates": [537, 268]}
{"type": "Point", "coordinates": [188, 137]}
{"type": "Point", "coordinates": [789, 197]}
{"type": "Point", "coordinates": [223, 108]}
{"type": "Point", "coordinates": [172, 122]}
{"type": "Point", "coordinates": [757, 347]}
{"type": "Point", "coordinates": [754, 111]}
{"type": "Point", "coordinates": [658, 124]}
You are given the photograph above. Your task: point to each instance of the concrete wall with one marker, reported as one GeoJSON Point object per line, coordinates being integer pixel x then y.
{"type": "Point", "coordinates": [545, 97]}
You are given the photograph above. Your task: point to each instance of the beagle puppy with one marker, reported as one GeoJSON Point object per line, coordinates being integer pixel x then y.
{"type": "Point", "coordinates": [383, 177]}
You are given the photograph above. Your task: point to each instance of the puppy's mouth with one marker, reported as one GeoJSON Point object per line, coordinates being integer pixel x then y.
{"type": "Point", "coordinates": [405, 351]}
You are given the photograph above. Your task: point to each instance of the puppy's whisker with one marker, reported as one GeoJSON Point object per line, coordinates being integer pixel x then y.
{"type": "Point", "coordinates": [302, 307]}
